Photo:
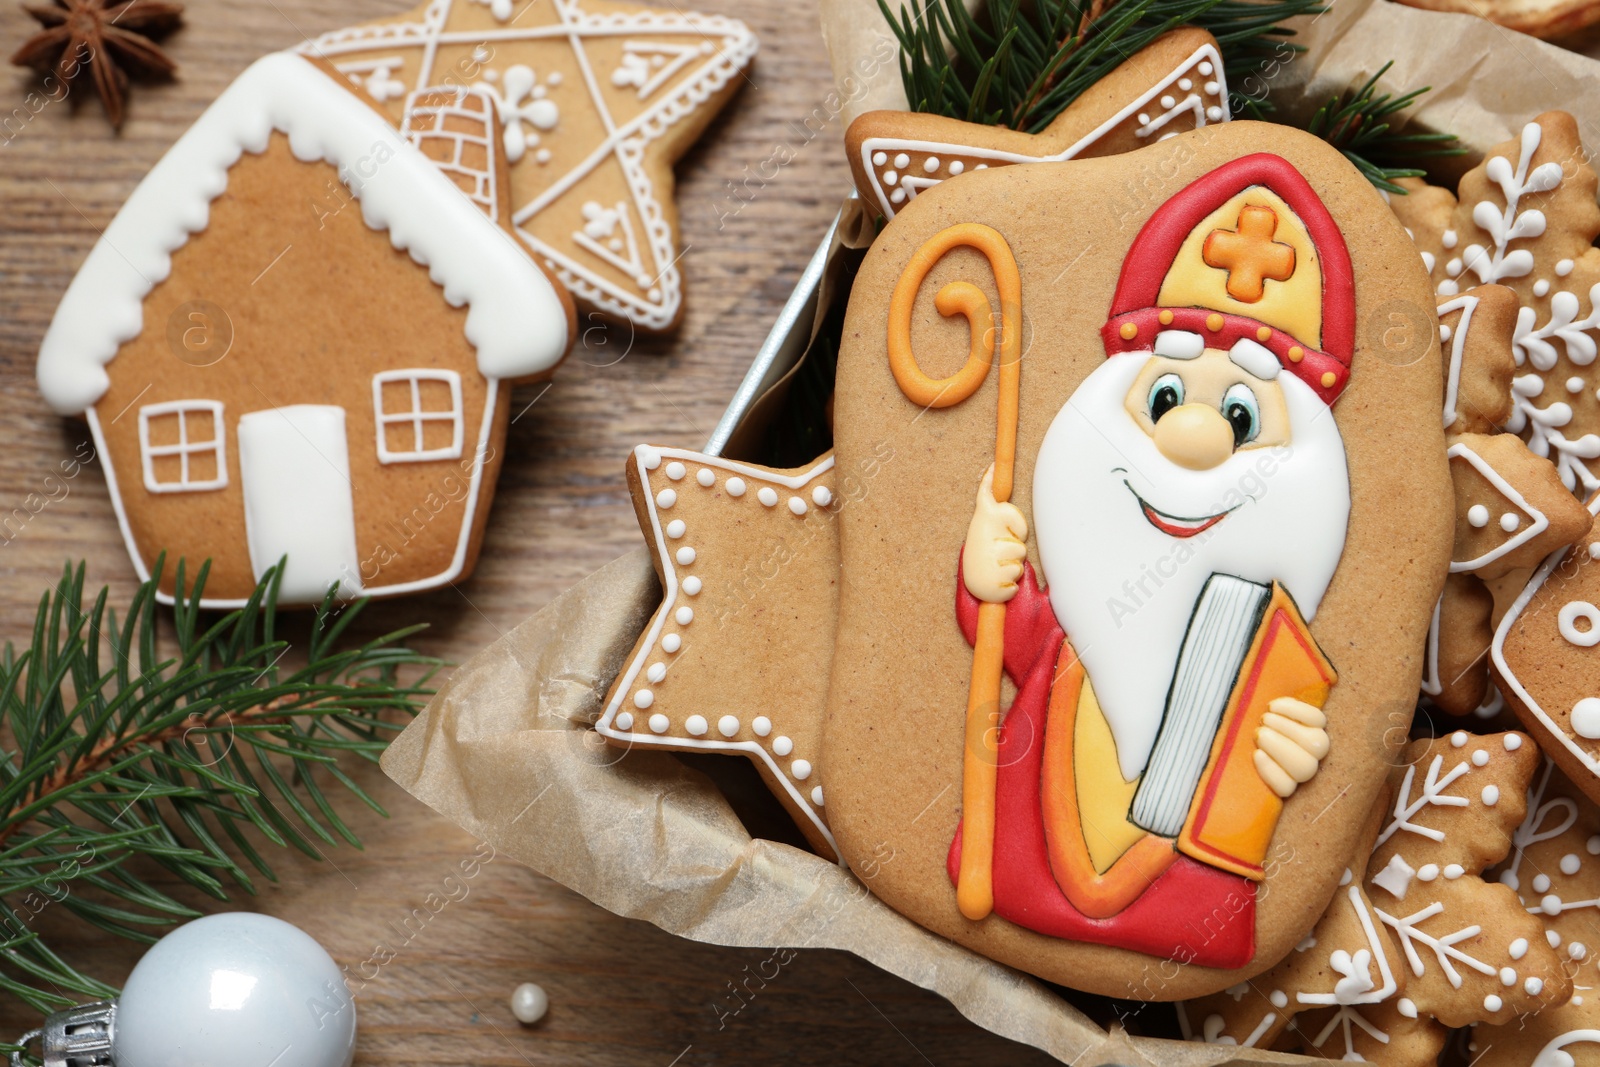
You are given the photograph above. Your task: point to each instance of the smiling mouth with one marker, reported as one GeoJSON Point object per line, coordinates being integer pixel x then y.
{"type": "Point", "coordinates": [1173, 525]}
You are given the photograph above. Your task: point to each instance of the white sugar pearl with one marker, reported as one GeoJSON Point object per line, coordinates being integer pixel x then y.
{"type": "Point", "coordinates": [1534, 986]}
{"type": "Point", "coordinates": [879, 158]}
{"type": "Point", "coordinates": [727, 726]}
{"type": "Point", "coordinates": [956, 167]}
{"type": "Point", "coordinates": [1563, 267]}
{"type": "Point", "coordinates": [1205, 68]}
{"type": "Point", "coordinates": [1577, 950]}
{"type": "Point", "coordinates": [1519, 948]}
{"type": "Point", "coordinates": [768, 496]}
{"type": "Point", "coordinates": [801, 769]}
{"type": "Point", "coordinates": [1575, 384]}
{"type": "Point", "coordinates": [1479, 758]}
{"type": "Point", "coordinates": [671, 643]}
{"type": "Point", "coordinates": [1492, 1003]}
{"type": "Point", "coordinates": [1427, 872]}
{"type": "Point", "coordinates": [1541, 287]}
{"type": "Point", "coordinates": [761, 725]}
{"type": "Point", "coordinates": [685, 555]}
{"type": "Point", "coordinates": [816, 796]}
{"type": "Point", "coordinates": [1551, 905]}
{"type": "Point", "coordinates": [797, 505]}
{"type": "Point", "coordinates": [1586, 718]}
{"type": "Point", "coordinates": [1214, 113]}
{"type": "Point", "coordinates": [1279, 999]}
{"type": "Point", "coordinates": [1458, 739]}
{"type": "Point", "coordinates": [684, 615]}
{"type": "Point", "coordinates": [891, 177]}
{"type": "Point", "coordinates": [1452, 871]}
{"type": "Point", "coordinates": [1509, 522]}
{"type": "Point", "coordinates": [705, 477]}
{"type": "Point", "coordinates": [782, 745]}
{"type": "Point", "coordinates": [735, 487]}
{"type": "Point", "coordinates": [1570, 863]}
{"type": "Point", "coordinates": [822, 496]}
{"type": "Point", "coordinates": [1168, 102]}
{"type": "Point", "coordinates": [1513, 742]}
{"type": "Point", "coordinates": [692, 585]}
{"type": "Point", "coordinates": [1508, 977]}
{"type": "Point", "coordinates": [902, 161]}
{"type": "Point", "coordinates": [696, 725]}
{"type": "Point", "coordinates": [1592, 846]}
{"type": "Point", "coordinates": [676, 529]}
{"type": "Point", "coordinates": [624, 721]}
{"type": "Point", "coordinates": [643, 699]}
{"type": "Point", "coordinates": [1185, 84]}
{"type": "Point", "coordinates": [656, 672]}
{"type": "Point", "coordinates": [649, 457]}
{"type": "Point", "coordinates": [1541, 883]}
{"type": "Point", "coordinates": [1478, 516]}
{"type": "Point", "coordinates": [1550, 935]}
{"type": "Point", "coordinates": [931, 165]}
{"type": "Point", "coordinates": [529, 1003]}
{"type": "Point", "coordinates": [1491, 795]}
{"type": "Point", "coordinates": [659, 723]}
{"type": "Point", "coordinates": [676, 471]}
{"type": "Point", "coordinates": [666, 498]}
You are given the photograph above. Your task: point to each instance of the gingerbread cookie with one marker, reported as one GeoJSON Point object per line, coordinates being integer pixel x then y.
{"type": "Point", "coordinates": [1546, 655]}
{"type": "Point", "coordinates": [1540, 18]}
{"type": "Point", "coordinates": [1175, 83]}
{"type": "Point", "coordinates": [297, 339]}
{"type": "Point", "coordinates": [598, 99]}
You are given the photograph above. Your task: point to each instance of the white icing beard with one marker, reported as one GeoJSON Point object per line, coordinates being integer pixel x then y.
{"type": "Point", "coordinates": [1122, 589]}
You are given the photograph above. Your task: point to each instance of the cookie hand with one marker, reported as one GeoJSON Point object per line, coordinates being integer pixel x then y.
{"type": "Point", "coordinates": [1290, 744]}
{"type": "Point", "coordinates": [992, 558]}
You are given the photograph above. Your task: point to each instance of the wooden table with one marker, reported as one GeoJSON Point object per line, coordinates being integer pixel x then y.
{"type": "Point", "coordinates": [622, 992]}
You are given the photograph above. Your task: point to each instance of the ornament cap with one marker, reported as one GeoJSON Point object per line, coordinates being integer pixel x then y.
{"type": "Point", "coordinates": [76, 1037]}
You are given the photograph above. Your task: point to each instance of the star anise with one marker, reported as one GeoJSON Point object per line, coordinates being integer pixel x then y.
{"type": "Point", "coordinates": [103, 41]}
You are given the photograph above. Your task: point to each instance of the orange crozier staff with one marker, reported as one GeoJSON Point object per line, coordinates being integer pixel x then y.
{"type": "Point", "coordinates": [974, 883]}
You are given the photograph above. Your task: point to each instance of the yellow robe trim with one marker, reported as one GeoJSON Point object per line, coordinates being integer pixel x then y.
{"type": "Point", "coordinates": [1105, 799]}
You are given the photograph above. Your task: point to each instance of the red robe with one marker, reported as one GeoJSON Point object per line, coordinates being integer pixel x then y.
{"type": "Point", "coordinates": [1192, 913]}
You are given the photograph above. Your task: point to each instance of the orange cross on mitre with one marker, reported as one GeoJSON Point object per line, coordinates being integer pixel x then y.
{"type": "Point", "coordinates": [1249, 254]}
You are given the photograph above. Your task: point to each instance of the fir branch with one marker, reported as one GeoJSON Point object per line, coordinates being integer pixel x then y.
{"type": "Point", "coordinates": [183, 762]}
{"type": "Point", "coordinates": [1024, 61]}
{"type": "Point", "coordinates": [1356, 123]}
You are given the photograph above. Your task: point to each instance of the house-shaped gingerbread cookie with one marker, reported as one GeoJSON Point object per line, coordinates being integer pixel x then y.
{"type": "Point", "coordinates": [297, 339]}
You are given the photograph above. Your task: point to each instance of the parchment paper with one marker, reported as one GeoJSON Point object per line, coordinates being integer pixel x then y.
{"type": "Point", "coordinates": [505, 750]}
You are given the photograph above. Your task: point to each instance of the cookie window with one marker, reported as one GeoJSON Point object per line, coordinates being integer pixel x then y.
{"type": "Point", "coordinates": [182, 446]}
{"type": "Point", "coordinates": [418, 413]}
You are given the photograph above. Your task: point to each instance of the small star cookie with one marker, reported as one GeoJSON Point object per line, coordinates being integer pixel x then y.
{"type": "Point", "coordinates": [1172, 85]}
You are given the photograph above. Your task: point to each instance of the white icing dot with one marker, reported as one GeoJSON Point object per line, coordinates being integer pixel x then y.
{"type": "Point", "coordinates": [1541, 287]}
{"type": "Point", "coordinates": [761, 725]}
{"type": "Point", "coordinates": [1492, 1003]}
{"type": "Point", "coordinates": [768, 496]}
{"type": "Point", "coordinates": [684, 615]}
{"type": "Point", "coordinates": [1478, 515]}
{"type": "Point", "coordinates": [1185, 84]}
{"type": "Point", "coordinates": [879, 158]}
{"type": "Point", "coordinates": [1575, 384]}
{"type": "Point", "coordinates": [1577, 950]}
{"type": "Point", "coordinates": [1448, 288]}
{"type": "Point", "coordinates": [1453, 267]}
{"type": "Point", "coordinates": [659, 723]}
{"type": "Point", "coordinates": [1347, 877]}
{"type": "Point", "coordinates": [735, 487]}
{"type": "Point", "coordinates": [1551, 905]}
{"type": "Point", "coordinates": [666, 498]}
{"type": "Point", "coordinates": [1458, 739]}
{"type": "Point", "coordinates": [624, 721]}
{"type": "Point", "coordinates": [1593, 845]}
{"type": "Point", "coordinates": [676, 471]}
{"type": "Point", "coordinates": [1541, 883]}
{"type": "Point", "coordinates": [981, 166]}
{"type": "Point", "coordinates": [931, 164]}
{"type": "Point", "coordinates": [1205, 68]}
{"type": "Point", "coordinates": [1519, 948]}
{"type": "Point", "coordinates": [897, 197]}
{"type": "Point", "coordinates": [692, 586]}
{"type": "Point", "coordinates": [902, 161]}
{"type": "Point", "coordinates": [1586, 715]}
{"type": "Point", "coordinates": [956, 166]}
{"type": "Point", "coordinates": [891, 177]}
{"type": "Point", "coordinates": [1479, 758]}
{"type": "Point", "coordinates": [685, 555]}
{"type": "Point", "coordinates": [727, 726]}
{"type": "Point", "coordinates": [1594, 549]}
{"type": "Point", "coordinates": [782, 745]}
{"type": "Point", "coordinates": [1508, 977]}
{"type": "Point", "coordinates": [656, 672]}
{"type": "Point", "coordinates": [1448, 239]}
{"type": "Point", "coordinates": [696, 725]}
{"type": "Point", "coordinates": [1570, 863]}
{"type": "Point", "coordinates": [705, 477]}
{"type": "Point", "coordinates": [1564, 267]}
{"type": "Point", "coordinates": [797, 505]}
{"type": "Point", "coordinates": [1444, 333]}
{"type": "Point", "coordinates": [1407, 1007]}
{"type": "Point", "coordinates": [676, 528]}
{"type": "Point", "coordinates": [1513, 742]}
{"type": "Point", "coordinates": [1533, 986]}
{"type": "Point", "coordinates": [1491, 795]}
{"type": "Point", "coordinates": [649, 457]}
{"type": "Point", "coordinates": [822, 496]}
{"type": "Point", "coordinates": [1144, 120]}
{"type": "Point", "coordinates": [1214, 113]}
{"type": "Point", "coordinates": [1510, 521]}
{"type": "Point", "coordinates": [643, 699]}
{"type": "Point", "coordinates": [1168, 102]}
{"type": "Point", "coordinates": [1427, 872]}
{"type": "Point", "coordinates": [671, 643]}
{"type": "Point", "coordinates": [1279, 999]}
{"type": "Point", "coordinates": [801, 769]}
{"type": "Point", "coordinates": [816, 796]}
{"type": "Point", "coordinates": [1551, 936]}
{"type": "Point", "coordinates": [1453, 871]}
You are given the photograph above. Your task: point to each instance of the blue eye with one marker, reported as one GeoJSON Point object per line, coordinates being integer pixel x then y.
{"type": "Point", "coordinates": [1165, 394]}
{"type": "Point", "coordinates": [1239, 407]}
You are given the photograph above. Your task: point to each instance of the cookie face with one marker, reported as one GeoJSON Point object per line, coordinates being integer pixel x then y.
{"type": "Point", "coordinates": [267, 366]}
{"type": "Point", "coordinates": [598, 100]}
{"type": "Point", "coordinates": [1118, 686]}
{"type": "Point", "coordinates": [1172, 85]}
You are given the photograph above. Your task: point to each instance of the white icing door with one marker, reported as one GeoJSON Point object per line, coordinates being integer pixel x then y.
{"type": "Point", "coordinates": [294, 463]}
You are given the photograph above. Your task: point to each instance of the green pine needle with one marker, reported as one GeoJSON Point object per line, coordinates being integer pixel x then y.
{"type": "Point", "coordinates": [120, 752]}
{"type": "Point", "coordinates": [1050, 51]}
{"type": "Point", "coordinates": [1356, 124]}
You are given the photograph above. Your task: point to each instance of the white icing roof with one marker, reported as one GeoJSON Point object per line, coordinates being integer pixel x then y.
{"type": "Point", "coordinates": [515, 319]}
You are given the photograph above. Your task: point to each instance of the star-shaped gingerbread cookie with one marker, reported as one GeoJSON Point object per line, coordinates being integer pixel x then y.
{"type": "Point", "coordinates": [598, 100]}
{"type": "Point", "coordinates": [1174, 84]}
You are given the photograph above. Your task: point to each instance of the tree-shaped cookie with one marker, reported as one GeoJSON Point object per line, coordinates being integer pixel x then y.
{"type": "Point", "coordinates": [1473, 953]}
{"type": "Point", "coordinates": [1546, 655]}
{"type": "Point", "coordinates": [1526, 218]}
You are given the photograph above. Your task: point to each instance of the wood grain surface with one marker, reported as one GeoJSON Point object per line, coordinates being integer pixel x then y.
{"type": "Point", "coordinates": [621, 992]}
